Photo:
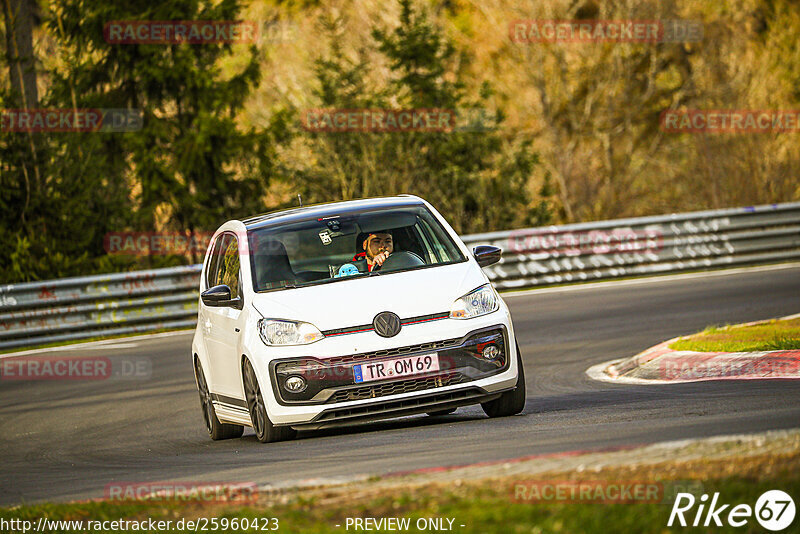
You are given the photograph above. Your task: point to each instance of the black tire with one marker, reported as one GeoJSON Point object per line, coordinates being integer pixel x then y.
{"type": "Point", "coordinates": [265, 431]}
{"type": "Point", "coordinates": [442, 412]}
{"type": "Point", "coordinates": [215, 429]}
{"type": "Point", "coordinates": [511, 402]}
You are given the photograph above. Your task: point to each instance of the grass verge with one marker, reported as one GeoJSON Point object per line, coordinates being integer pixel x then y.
{"type": "Point", "coordinates": [770, 335]}
{"type": "Point", "coordinates": [481, 506]}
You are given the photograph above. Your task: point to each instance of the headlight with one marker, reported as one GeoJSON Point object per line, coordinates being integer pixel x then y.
{"type": "Point", "coordinates": [275, 332]}
{"type": "Point", "coordinates": [479, 302]}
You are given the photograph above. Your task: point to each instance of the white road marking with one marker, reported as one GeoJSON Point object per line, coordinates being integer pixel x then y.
{"type": "Point", "coordinates": [112, 346]}
{"type": "Point", "coordinates": [130, 341]}
{"type": "Point", "coordinates": [597, 372]}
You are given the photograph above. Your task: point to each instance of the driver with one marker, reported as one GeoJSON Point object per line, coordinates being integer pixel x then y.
{"type": "Point", "coordinates": [377, 247]}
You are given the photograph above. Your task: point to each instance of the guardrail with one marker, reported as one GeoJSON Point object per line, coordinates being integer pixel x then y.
{"type": "Point", "coordinates": [93, 306]}
{"type": "Point", "coordinates": [37, 313]}
{"type": "Point", "coordinates": [645, 245]}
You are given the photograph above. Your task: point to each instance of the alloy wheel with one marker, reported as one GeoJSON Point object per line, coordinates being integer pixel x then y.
{"type": "Point", "coordinates": [255, 402]}
{"type": "Point", "coordinates": [205, 396]}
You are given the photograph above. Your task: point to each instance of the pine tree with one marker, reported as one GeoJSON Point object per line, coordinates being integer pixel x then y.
{"type": "Point", "coordinates": [188, 168]}
{"type": "Point", "coordinates": [476, 177]}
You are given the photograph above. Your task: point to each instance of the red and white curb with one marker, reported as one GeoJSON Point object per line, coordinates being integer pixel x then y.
{"type": "Point", "coordinates": [662, 365]}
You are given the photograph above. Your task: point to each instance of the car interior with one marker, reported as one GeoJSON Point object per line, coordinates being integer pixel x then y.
{"type": "Point", "coordinates": [309, 258]}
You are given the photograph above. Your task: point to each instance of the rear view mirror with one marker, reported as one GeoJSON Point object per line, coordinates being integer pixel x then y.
{"type": "Point", "coordinates": [375, 222]}
{"type": "Point", "coordinates": [487, 255]}
{"type": "Point", "coordinates": [220, 296]}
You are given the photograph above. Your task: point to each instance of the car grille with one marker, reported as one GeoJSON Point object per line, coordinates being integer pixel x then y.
{"type": "Point", "coordinates": [394, 388]}
{"type": "Point", "coordinates": [366, 356]}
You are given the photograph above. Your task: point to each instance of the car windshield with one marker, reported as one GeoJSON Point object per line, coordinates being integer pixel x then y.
{"type": "Point", "coordinates": [329, 249]}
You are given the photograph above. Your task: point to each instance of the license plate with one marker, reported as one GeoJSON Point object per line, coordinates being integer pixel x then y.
{"type": "Point", "coordinates": [397, 367]}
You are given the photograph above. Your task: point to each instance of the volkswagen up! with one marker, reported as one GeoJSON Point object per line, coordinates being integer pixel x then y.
{"type": "Point", "coordinates": [353, 311]}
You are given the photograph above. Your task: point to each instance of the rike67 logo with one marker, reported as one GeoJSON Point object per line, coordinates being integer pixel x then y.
{"type": "Point", "coordinates": [774, 510]}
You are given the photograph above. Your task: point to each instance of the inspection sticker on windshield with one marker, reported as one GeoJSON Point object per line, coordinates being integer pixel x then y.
{"type": "Point", "coordinates": [407, 366]}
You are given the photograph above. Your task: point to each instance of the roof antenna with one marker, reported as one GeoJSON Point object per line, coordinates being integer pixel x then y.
{"type": "Point", "coordinates": [300, 199]}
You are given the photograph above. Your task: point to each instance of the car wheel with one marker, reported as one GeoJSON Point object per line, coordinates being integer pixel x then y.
{"type": "Point", "coordinates": [442, 412]}
{"type": "Point", "coordinates": [265, 431]}
{"type": "Point", "coordinates": [215, 429]}
{"type": "Point", "coordinates": [511, 402]}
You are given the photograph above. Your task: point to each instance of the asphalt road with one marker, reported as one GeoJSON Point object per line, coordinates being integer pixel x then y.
{"type": "Point", "coordinates": [68, 440]}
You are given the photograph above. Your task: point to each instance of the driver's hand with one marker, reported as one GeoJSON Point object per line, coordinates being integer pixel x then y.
{"type": "Point", "coordinates": [380, 258]}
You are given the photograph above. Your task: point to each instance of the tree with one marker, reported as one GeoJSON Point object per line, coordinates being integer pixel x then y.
{"type": "Point", "coordinates": [478, 179]}
{"type": "Point", "coordinates": [19, 18]}
{"type": "Point", "coordinates": [188, 168]}
{"type": "Point", "coordinates": [191, 160]}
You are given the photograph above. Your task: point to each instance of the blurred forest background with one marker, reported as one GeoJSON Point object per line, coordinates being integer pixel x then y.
{"type": "Point", "coordinates": [577, 133]}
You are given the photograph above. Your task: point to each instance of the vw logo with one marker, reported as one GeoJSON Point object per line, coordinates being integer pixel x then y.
{"type": "Point", "coordinates": [386, 324]}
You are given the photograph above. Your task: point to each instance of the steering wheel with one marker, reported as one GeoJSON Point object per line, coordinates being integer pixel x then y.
{"type": "Point", "coordinates": [402, 259]}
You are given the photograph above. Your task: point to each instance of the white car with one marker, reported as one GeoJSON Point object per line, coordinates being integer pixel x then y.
{"type": "Point", "coordinates": [345, 312]}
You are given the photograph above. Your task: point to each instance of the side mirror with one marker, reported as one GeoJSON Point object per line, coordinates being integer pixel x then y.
{"type": "Point", "coordinates": [487, 255]}
{"type": "Point", "coordinates": [220, 296]}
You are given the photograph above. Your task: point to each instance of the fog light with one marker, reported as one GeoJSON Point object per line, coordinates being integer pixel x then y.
{"type": "Point", "coordinates": [491, 352]}
{"type": "Point", "coordinates": [295, 384]}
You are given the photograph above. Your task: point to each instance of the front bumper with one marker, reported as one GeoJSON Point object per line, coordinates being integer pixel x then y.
{"type": "Point", "coordinates": [331, 380]}
{"type": "Point", "coordinates": [334, 398]}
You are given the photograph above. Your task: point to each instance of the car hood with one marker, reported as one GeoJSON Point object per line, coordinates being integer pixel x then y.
{"type": "Point", "coordinates": [356, 302]}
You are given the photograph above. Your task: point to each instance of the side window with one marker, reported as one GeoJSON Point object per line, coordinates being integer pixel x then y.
{"type": "Point", "coordinates": [228, 266]}
{"type": "Point", "coordinates": [213, 260]}
{"type": "Point", "coordinates": [429, 234]}
{"type": "Point", "coordinates": [430, 258]}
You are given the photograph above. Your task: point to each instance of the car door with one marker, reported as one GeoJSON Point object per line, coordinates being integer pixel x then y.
{"type": "Point", "coordinates": [203, 316]}
{"type": "Point", "coordinates": [223, 321]}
